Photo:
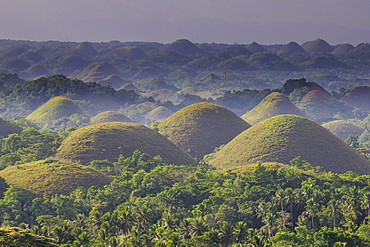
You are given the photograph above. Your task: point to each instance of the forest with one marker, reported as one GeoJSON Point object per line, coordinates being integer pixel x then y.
{"type": "Point", "coordinates": [184, 144]}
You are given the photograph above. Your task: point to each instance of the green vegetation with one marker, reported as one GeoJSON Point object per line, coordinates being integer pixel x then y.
{"type": "Point", "coordinates": [272, 105]}
{"type": "Point", "coordinates": [17, 237]}
{"type": "Point", "coordinates": [8, 127]}
{"type": "Point", "coordinates": [343, 129]}
{"type": "Point", "coordinates": [201, 127]}
{"type": "Point", "coordinates": [56, 108]}
{"type": "Point", "coordinates": [49, 177]}
{"type": "Point", "coordinates": [109, 140]}
{"type": "Point", "coordinates": [281, 138]}
{"type": "Point", "coordinates": [110, 116]}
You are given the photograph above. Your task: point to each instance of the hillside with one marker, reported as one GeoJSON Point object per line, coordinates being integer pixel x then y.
{"type": "Point", "coordinates": [49, 177]}
{"type": "Point", "coordinates": [359, 97]}
{"type": "Point", "coordinates": [201, 127]}
{"type": "Point", "coordinates": [159, 114]}
{"type": "Point", "coordinates": [54, 109]}
{"type": "Point", "coordinates": [272, 105]}
{"type": "Point", "coordinates": [282, 138]}
{"type": "Point", "coordinates": [290, 49]}
{"type": "Point", "coordinates": [317, 46]}
{"type": "Point", "coordinates": [7, 128]}
{"type": "Point", "coordinates": [343, 129]}
{"type": "Point", "coordinates": [109, 140]}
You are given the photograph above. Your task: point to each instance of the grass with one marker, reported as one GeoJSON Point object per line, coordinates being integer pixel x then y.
{"type": "Point", "coordinates": [282, 138]}
{"type": "Point", "coordinates": [159, 114]}
{"type": "Point", "coordinates": [110, 116]}
{"type": "Point", "coordinates": [272, 105]}
{"type": "Point", "coordinates": [16, 237]}
{"type": "Point", "coordinates": [45, 178]}
{"type": "Point", "coordinates": [317, 46]}
{"type": "Point", "coordinates": [201, 127]}
{"type": "Point", "coordinates": [343, 129]}
{"type": "Point", "coordinates": [359, 97]}
{"type": "Point", "coordinates": [54, 109]}
{"type": "Point", "coordinates": [109, 140]}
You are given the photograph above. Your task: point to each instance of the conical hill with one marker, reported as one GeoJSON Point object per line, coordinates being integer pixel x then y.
{"type": "Point", "coordinates": [159, 114]}
{"type": "Point", "coordinates": [49, 177]}
{"type": "Point", "coordinates": [54, 109]}
{"type": "Point", "coordinates": [343, 129]}
{"type": "Point", "coordinates": [255, 47]}
{"type": "Point", "coordinates": [272, 105]}
{"type": "Point", "coordinates": [290, 49]}
{"type": "Point", "coordinates": [109, 140]}
{"type": "Point", "coordinates": [282, 138]}
{"type": "Point", "coordinates": [110, 116]}
{"type": "Point", "coordinates": [201, 127]}
{"type": "Point", "coordinates": [317, 46]}
{"type": "Point", "coordinates": [358, 96]}
{"type": "Point", "coordinates": [7, 128]}
{"type": "Point", "coordinates": [343, 49]}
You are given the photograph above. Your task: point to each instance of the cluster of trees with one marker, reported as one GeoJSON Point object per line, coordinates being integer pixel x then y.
{"type": "Point", "coordinates": [150, 203]}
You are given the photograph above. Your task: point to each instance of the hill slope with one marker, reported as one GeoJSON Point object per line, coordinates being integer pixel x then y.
{"type": "Point", "coordinates": [109, 140]}
{"type": "Point", "coordinates": [110, 116]}
{"type": "Point", "coordinates": [343, 129]}
{"type": "Point", "coordinates": [282, 138]}
{"type": "Point", "coordinates": [201, 127]}
{"type": "Point", "coordinates": [49, 177]}
{"type": "Point", "coordinates": [54, 109]}
{"type": "Point", "coordinates": [272, 105]}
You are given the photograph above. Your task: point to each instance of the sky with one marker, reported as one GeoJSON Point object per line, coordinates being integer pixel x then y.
{"type": "Point", "coordinates": [103, 20]}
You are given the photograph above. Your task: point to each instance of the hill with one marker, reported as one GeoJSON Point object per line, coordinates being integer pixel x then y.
{"type": "Point", "coordinates": [290, 49]}
{"type": "Point", "coordinates": [54, 109]}
{"type": "Point", "coordinates": [255, 47]}
{"type": "Point", "coordinates": [109, 140]}
{"type": "Point", "coordinates": [201, 127]}
{"type": "Point", "coordinates": [185, 47]}
{"type": "Point", "coordinates": [272, 105]}
{"type": "Point", "coordinates": [49, 177]}
{"type": "Point", "coordinates": [110, 116]}
{"type": "Point", "coordinates": [7, 128]}
{"type": "Point", "coordinates": [317, 46]}
{"type": "Point", "coordinates": [282, 138]}
{"type": "Point", "coordinates": [343, 49]}
{"type": "Point", "coordinates": [159, 114]}
{"type": "Point", "coordinates": [113, 80]}
{"type": "Point", "coordinates": [358, 96]}
{"type": "Point", "coordinates": [343, 129]}
{"type": "Point", "coordinates": [95, 71]}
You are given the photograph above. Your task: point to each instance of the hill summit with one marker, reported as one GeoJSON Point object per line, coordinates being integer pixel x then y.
{"type": "Point", "coordinates": [282, 138]}
{"type": "Point", "coordinates": [272, 105]}
{"type": "Point", "coordinates": [54, 109]}
{"type": "Point", "coordinates": [109, 140]}
{"type": "Point", "coordinates": [201, 127]}
{"type": "Point", "coordinates": [110, 116]}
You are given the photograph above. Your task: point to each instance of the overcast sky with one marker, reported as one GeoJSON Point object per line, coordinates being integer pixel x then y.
{"type": "Point", "coordinates": [346, 13]}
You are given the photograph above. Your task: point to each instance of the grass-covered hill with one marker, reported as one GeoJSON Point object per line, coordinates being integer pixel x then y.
{"type": "Point", "coordinates": [272, 105]}
{"type": "Point", "coordinates": [109, 140]}
{"type": "Point", "coordinates": [49, 177]}
{"type": "Point", "coordinates": [343, 49]}
{"type": "Point", "coordinates": [282, 138]}
{"type": "Point", "coordinates": [343, 129]}
{"type": "Point", "coordinates": [185, 47]}
{"type": "Point", "coordinates": [201, 127]}
{"type": "Point", "coordinates": [54, 109]}
{"type": "Point", "coordinates": [159, 114]}
{"type": "Point", "coordinates": [317, 46]}
{"type": "Point", "coordinates": [18, 237]}
{"type": "Point", "coordinates": [358, 96]}
{"type": "Point", "coordinates": [6, 128]}
{"type": "Point", "coordinates": [110, 116]}
{"type": "Point", "coordinates": [290, 49]}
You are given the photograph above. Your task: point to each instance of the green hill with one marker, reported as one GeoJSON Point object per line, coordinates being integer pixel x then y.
{"type": "Point", "coordinates": [49, 177]}
{"type": "Point", "coordinates": [110, 116]}
{"type": "Point", "coordinates": [290, 49]}
{"type": "Point", "coordinates": [109, 140]}
{"type": "Point", "coordinates": [317, 46]}
{"type": "Point", "coordinates": [159, 114]}
{"type": "Point", "coordinates": [54, 109]}
{"type": "Point", "coordinates": [343, 49]}
{"type": "Point", "coordinates": [343, 129]}
{"type": "Point", "coordinates": [282, 138]}
{"type": "Point", "coordinates": [201, 127]}
{"type": "Point", "coordinates": [272, 105]}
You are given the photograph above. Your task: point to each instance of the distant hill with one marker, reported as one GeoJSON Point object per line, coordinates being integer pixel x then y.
{"type": "Point", "coordinates": [201, 127]}
{"type": "Point", "coordinates": [343, 129]}
{"type": "Point", "coordinates": [290, 49]}
{"type": "Point", "coordinates": [282, 138]}
{"type": "Point", "coordinates": [317, 46]}
{"type": "Point", "coordinates": [272, 105]}
{"type": "Point", "coordinates": [254, 47]}
{"type": "Point", "coordinates": [110, 116]}
{"type": "Point", "coordinates": [95, 71]}
{"type": "Point", "coordinates": [113, 80]}
{"type": "Point", "coordinates": [6, 128]}
{"type": "Point", "coordinates": [358, 96]}
{"type": "Point", "coordinates": [56, 108]}
{"type": "Point", "coordinates": [49, 177]}
{"type": "Point", "coordinates": [159, 114]}
{"type": "Point", "coordinates": [343, 49]}
{"type": "Point", "coordinates": [85, 49]}
{"type": "Point", "coordinates": [185, 47]}
{"type": "Point", "coordinates": [109, 140]}
{"type": "Point", "coordinates": [35, 71]}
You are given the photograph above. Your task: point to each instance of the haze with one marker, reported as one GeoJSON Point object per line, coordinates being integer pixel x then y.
{"type": "Point", "coordinates": [228, 21]}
